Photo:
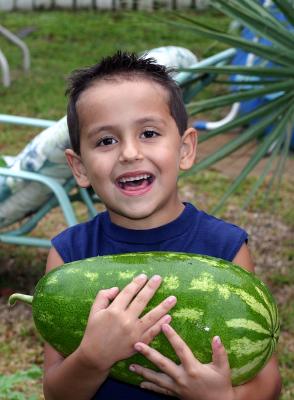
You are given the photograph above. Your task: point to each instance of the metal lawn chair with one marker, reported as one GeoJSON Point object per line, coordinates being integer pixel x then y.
{"type": "Point", "coordinates": [28, 192]}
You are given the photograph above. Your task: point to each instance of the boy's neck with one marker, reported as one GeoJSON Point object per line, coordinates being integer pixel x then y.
{"type": "Point", "coordinates": [149, 222]}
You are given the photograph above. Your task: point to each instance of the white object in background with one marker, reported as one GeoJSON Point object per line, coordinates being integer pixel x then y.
{"type": "Point", "coordinates": [172, 56]}
{"type": "Point", "coordinates": [43, 155]}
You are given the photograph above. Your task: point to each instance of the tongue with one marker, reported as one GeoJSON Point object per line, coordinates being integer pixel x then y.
{"type": "Point", "coordinates": [134, 185]}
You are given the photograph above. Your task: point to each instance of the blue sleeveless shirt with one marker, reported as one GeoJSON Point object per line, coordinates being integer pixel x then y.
{"type": "Point", "coordinates": [193, 231]}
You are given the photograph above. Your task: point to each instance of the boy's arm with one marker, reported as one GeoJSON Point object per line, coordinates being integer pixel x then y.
{"type": "Point", "coordinates": [68, 378]}
{"type": "Point", "coordinates": [243, 259]}
{"type": "Point", "coordinates": [267, 384]}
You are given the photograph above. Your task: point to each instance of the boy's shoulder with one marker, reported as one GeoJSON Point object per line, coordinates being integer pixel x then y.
{"type": "Point", "coordinates": [214, 224]}
{"type": "Point", "coordinates": [209, 235]}
{"type": "Point", "coordinates": [202, 221]}
{"type": "Point", "coordinates": [74, 242]}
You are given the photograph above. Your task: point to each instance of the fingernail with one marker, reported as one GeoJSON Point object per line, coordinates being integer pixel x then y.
{"type": "Point", "coordinates": [171, 299]}
{"type": "Point", "coordinates": [167, 319]}
{"type": "Point", "coordinates": [141, 277]}
{"type": "Point", "coordinates": [156, 278]}
{"type": "Point", "coordinates": [138, 347]}
{"type": "Point", "coordinates": [217, 341]}
{"type": "Point", "coordinates": [132, 368]}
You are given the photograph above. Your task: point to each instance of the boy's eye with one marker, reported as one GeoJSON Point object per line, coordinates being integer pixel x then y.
{"type": "Point", "coordinates": [149, 134]}
{"type": "Point", "coordinates": [106, 141]}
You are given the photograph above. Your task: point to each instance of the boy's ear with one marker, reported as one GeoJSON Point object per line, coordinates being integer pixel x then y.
{"type": "Point", "coordinates": [77, 167]}
{"type": "Point", "coordinates": [188, 150]}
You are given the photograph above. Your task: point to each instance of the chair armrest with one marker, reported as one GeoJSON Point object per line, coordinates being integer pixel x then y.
{"type": "Point", "coordinates": [219, 58]}
{"type": "Point", "coordinates": [14, 119]}
{"type": "Point", "coordinates": [54, 186]}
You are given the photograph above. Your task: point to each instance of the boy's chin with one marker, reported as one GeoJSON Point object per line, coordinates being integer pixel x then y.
{"type": "Point", "coordinates": [148, 216]}
{"type": "Point", "coordinates": [133, 217]}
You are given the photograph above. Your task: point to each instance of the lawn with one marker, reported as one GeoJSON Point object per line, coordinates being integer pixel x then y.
{"type": "Point", "coordinates": [60, 42]}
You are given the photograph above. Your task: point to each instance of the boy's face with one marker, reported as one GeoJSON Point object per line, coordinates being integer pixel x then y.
{"type": "Point", "coordinates": [131, 151]}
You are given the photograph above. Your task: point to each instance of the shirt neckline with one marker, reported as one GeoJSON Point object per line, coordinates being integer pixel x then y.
{"type": "Point", "coordinates": [168, 231]}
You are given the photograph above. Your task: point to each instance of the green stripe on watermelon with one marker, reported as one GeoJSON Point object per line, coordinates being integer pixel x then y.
{"type": "Point", "coordinates": [215, 297]}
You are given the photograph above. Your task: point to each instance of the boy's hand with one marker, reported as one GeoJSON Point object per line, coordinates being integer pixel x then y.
{"type": "Point", "coordinates": [113, 329]}
{"type": "Point", "coordinates": [190, 380]}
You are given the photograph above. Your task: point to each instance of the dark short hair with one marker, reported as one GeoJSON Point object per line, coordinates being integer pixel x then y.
{"type": "Point", "coordinates": [125, 66]}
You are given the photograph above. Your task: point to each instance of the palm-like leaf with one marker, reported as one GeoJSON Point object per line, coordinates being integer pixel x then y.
{"type": "Point", "coordinates": [275, 79]}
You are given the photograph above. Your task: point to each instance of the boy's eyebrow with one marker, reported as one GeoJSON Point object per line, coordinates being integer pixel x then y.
{"type": "Point", "coordinates": [139, 121]}
{"type": "Point", "coordinates": [94, 131]}
{"type": "Point", "coordinates": [151, 119]}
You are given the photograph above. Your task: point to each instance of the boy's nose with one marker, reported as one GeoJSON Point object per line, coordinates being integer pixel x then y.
{"type": "Point", "coordinates": [130, 151]}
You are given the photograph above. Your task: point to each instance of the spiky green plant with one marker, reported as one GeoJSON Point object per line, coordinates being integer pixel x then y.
{"type": "Point", "coordinates": [275, 79]}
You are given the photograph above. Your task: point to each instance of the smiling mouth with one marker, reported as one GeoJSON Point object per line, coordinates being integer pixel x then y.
{"type": "Point", "coordinates": [135, 182]}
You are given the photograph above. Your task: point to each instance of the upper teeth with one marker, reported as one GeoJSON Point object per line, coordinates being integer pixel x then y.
{"type": "Point", "coordinates": [134, 178]}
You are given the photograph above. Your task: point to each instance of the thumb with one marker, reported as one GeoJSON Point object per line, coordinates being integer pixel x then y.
{"type": "Point", "coordinates": [219, 354]}
{"type": "Point", "coordinates": [103, 299]}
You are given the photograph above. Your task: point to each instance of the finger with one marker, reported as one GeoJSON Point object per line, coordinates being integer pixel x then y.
{"type": "Point", "coordinates": [103, 299]}
{"type": "Point", "coordinates": [128, 292]}
{"type": "Point", "coordinates": [163, 363]}
{"type": "Point", "coordinates": [145, 294]}
{"type": "Point", "coordinates": [155, 329]}
{"type": "Point", "coordinates": [158, 312]}
{"type": "Point", "coordinates": [180, 347]}
{"type": "Point", "coordinates": [219, 354]}
{"type": "Point", "coordinates": [158, 378]}
{"type": "Point", "coordinates": [157, 389]}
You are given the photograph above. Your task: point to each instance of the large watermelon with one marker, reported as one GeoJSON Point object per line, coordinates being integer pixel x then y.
{"type": "Point", "coordinates": [215, 297]}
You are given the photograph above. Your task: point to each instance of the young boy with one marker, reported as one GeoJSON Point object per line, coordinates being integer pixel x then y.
{"type": "Point", "coordinates": [129, 135]}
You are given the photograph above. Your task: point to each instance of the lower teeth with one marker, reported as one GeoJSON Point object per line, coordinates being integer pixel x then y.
{"type": "Point", "coordinates": [135, 183]}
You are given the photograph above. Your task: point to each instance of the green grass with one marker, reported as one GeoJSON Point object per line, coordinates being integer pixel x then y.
{"type": "Point", "coordinates": [59, 43]}
{"type": "Point", "coordinates": [63, 41]}
{"type": "Point", "coordinates": [8, 384]}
